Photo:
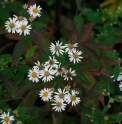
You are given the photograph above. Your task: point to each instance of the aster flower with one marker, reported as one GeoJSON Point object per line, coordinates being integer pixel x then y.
{"type": "Point", "coordinates": [69, 47]}
{"type": "Point", "coordinates": [23, 27]}
{"type": "Point", "coordinates": [69, 74]}
{"type": "Point", "coordinates": [61, 95]}
{"type": "Point", "coordinates": [73, 98]}
{"type": "Point", "coordinates": [11, 25]}
{"type": "Point", "coordinates": [59, 105]}
{"type": "Point", "coordinates": [34, 11]}
{"type": "Point", "coordinates": [6, 118]}
{"type": "Point", "coordinates": [59, 70]}
{"type": "Point", "coordinates": [120, 86]}
{"type": "Point", "coordinates": [47, 74]}
{"type": "Point", "coordinates": [40, 66]}
{"type": "Point", "coordinates": [56, 49]}
{"type": "Point", "coordinates": [52, 62]}
{"type": "Point", "coordinates": [19, 18]}
{"type": "Point", "coordinates": [34, 74]}
{"type": "Point", "coordinates": [45, 94]}
{"type": "Point", "coordinates": [75, 56]}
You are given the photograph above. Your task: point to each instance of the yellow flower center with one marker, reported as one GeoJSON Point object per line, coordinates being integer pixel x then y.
{"type": "Point", "coordinates": [35, 10]}
{"type": "Point", "coordinates": [19, 122]}
{"type": "Point", "coordinates": [6, 119]}
{"type": "Point", "coordinates": [47, 73]}
{"type": "Point", "coordinates": [31, 19]}
{"type": "Point", "coordinates": [20, 18]}
{"type": "Point", "coordinates": [45, 94]}
{"type": "Point", "coordinates": [75, 55]}
{"type": "Point", "coordinates": [58, 104]}
{"type": "Point", "coordinates": [15, 111]}
{"type": "Point", "coordinates": [34, 74]}
{"type": "Point", "coordinates": [11, 25]}
{"type": "Point", "coordinates": [52, 89]}
{"type": "Point", "coordinates": [25, 6]}
{"type": "Point", "coordinates": [73, 98]}
{"type": "Point", "coordinates": [67, 87]}
{"type": "Point", "coordinates": [23, 27]}
{"type": "Point", "coordinates": [70, 46]}
{"type": "Point", "coordinates": [57, 48]}
{"type": "Point", "coordinates": [61, 95]}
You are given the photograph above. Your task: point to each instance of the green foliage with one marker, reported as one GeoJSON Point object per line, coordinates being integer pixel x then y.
{"type": "Point", "coordinates": [96, 32]}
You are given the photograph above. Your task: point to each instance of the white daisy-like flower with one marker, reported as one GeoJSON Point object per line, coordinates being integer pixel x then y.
{"type": "Point", "coordinates": [59, 105]}
{"type": "Point", "coordinates": [59, 70]}
{"type": "Point", "coordinates": [6, 118]}
{"type": "Point", "coordinates": [45, 94]}
{"type": "Point", "coordinates": [34, 74]}
{"type": "Point", "coordinates": [11, 25]}
{"type": "Point", "coordinates": [73, 98]}
{"type": "Point", "coordinates": [69, 47]}
{"type": "Point", "coordinates": [57, 49]}
{"type": "Point", "coordinates": [52, 62]}
{"type": "Point", "coordinates": [47, 74]}
{"type": "Point", "coordinates": [34, 11]}
{"type": "Point", "coordinates": [24, 28]}
{"type": "Point", "coordinates": [69, 74]}
{"type": "Point", "coordinates": [61, 95]}
{"type": "Point", "coordinates": [20, 18]}
{"type": "Point", "coordinates": [39, 65]}
{"type": "Point", "coordinates": [120, 86]}
{"type": "Point", "coordinates": [75, 56]}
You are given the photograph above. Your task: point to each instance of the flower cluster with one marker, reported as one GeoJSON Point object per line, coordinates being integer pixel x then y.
{"type": "Point", "coordinates": [19, 24]}
{"type": "Point", "coordinates": [7, 118]}
{"type": "Point", "coordinates": [60, 98]}
{"type": "Point", "coordinates": [119, 79]}
{"type": "Point", "coordinates": [46, 71]}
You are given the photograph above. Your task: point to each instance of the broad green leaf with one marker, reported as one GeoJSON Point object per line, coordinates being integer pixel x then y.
{"type": "Point", "coordinates": [41, 41]}
{"type": "Point", "coordinates": [9, 73]}
{"type": "Point", "coordinates": [108, 67]}
{"type": "Point", "coordinates": [113, 55]}
{"type": "Point", "coordinates": [25, 86]}
{"type": "Point", "coordinates": [78, 24]}
{"type": "Point", "coordinates": [116, 71]}
{"type": "Point", "coordinates": [93, 57]}
{"type": "Point", "coordinates": [19, 48]}
{"type": "Point", "coordinates": [10, 86]}
{"type": "Point", "coordinates": [23, 68]}
{"type": "Point", "coordinates": [31, 52]}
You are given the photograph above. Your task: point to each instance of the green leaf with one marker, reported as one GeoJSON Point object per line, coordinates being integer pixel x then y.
{"type": "Point", "coordinates": [31, 52]}
{"type": "Point", "coordinates": [93, 57]}
{"type": "Point", "coordinates": [25, 86]}
{"type": "Point", "coordinates": [19, 48]}
{"type": "Point", "coordinates": [10, 86]}
{"type": "Point", "coordinates": [41, 41]}
{"type": "Point", "coordinates": [78, 24]}
{"type": "Point", "coordinates": [116, 71]}
{"type": "Point", "coordinates": [113, 55]}
{"type": "Point", "coordinates": [108, 67]}
{"type": "Point", "coordinates": [4, 14]}
{"type": "Point", "coordinates": [105, 109]}
{"type": "Point", "coordinates": [9, 73]}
